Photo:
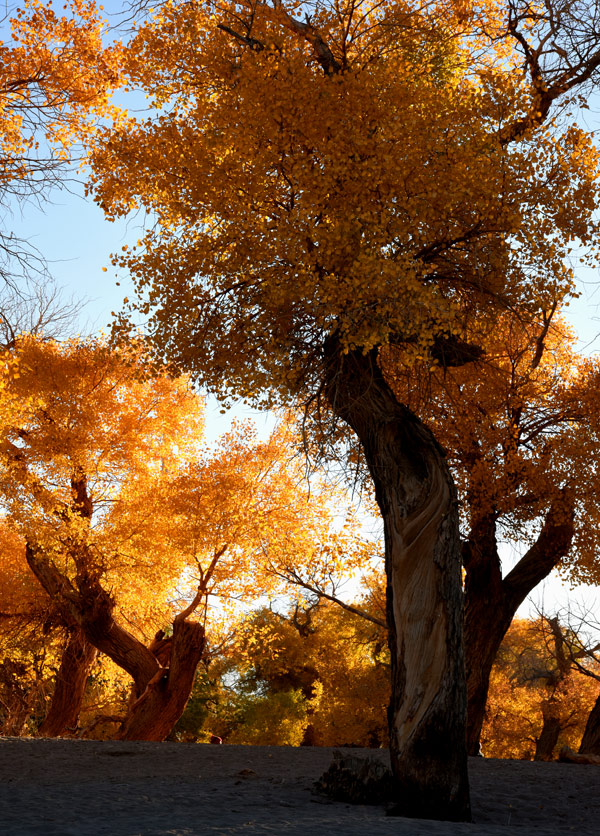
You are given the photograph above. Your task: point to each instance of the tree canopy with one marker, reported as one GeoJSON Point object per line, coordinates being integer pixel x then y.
{"type": "Point", "coordinates": [349, 176]}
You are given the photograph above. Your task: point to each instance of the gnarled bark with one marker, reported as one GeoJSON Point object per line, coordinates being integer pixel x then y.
{"type": "Point", "coordinates": [492, 601]}
{"type": "Point", "coordinates": [163, 673]}
{"type": "Point", "coordinates": [417, 499]}
{"type": "Point", "coordinates": [154, 713]}
{"type": "Point", "coordinates": [71, 678]}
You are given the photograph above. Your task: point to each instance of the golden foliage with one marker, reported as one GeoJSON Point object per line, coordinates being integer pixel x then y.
{"type": "Point", "coordinates": [321, 669]}
{"type": "Point", "coordinates": [346, 177]}
{"type": "Point", "coordinates": [83, 433]}
{"type": "Point", "coordinates": [55, 79]}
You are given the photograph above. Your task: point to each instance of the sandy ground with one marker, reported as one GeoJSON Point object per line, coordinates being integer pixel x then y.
{"type": "Point", "coordinates": [86, 788]}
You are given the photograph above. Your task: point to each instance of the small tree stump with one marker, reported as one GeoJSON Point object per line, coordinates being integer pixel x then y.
{"type": "Point", "coordinates": [356, 780]}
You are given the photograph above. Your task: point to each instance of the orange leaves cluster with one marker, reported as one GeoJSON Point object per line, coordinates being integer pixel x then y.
{"type": "Point", "coordinates": [103, 469]}
{"type": "Point", "coordinates": [345, 178]}
{"type": "Point", "coordinates": [55, 81]}
{"type": "Point", "coordinates": [323, 660]}
{"type": "Point", "coordinates": [85, 439]}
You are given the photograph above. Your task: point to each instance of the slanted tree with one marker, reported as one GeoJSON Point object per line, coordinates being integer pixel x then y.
{"type": "Point", "coordinates": [325, 186]}
{"type": "Point", "coordinates": [130, 525]}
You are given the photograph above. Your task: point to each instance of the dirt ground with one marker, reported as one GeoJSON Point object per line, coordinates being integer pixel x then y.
{"type": "Point", "coordinates": [89, 788]}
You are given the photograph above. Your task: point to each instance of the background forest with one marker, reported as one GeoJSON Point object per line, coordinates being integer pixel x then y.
{"type": "Point", "coordinates": [156, 585]}
{"type": "Point", "coordinates": [232, 532]}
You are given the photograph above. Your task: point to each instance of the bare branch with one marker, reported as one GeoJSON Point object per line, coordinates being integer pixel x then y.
{"type": "Point", "coordinates": [560, 43]}
{"type": "Point", "coordinates": [291, 576]}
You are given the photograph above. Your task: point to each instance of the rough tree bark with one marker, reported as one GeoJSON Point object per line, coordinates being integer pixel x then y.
{"type": "Point", "coordinates": [153, 714]}
{"type": "Point", "coordinates": [417, 499]}
{"type": "Point", "coordinates": [163, 673]}
{"type": "Point", "coordinates": [71, 678]}
{"type": "Point", "coordinates": [492, 601]}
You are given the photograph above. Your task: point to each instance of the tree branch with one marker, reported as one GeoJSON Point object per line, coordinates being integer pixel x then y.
{"type": "Point", "coordinates": [552, 544]}
{"type": "Point", "coordinates": [292, 577]}
{"type": "Point", "coordinates": [308, 32]}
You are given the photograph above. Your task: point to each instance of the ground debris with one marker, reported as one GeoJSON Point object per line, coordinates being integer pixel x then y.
{"type": "Point", "coordinates": [569, 756]}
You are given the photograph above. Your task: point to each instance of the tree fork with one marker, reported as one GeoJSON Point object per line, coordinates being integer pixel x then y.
{"type": "Point", "coordinates": [154, 713]}
{"type": "Point", "coordinates": [492, 601]}
{"type": "Point", "coordinates": [417, 499]}
{"type": "Point", "coordinates": [163, 673]}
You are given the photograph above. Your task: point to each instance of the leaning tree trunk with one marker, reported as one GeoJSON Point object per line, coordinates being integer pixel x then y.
{"type": "Point", "coordinates": [418, 503]}
{"type": "Point", "coordinates": [77, 660]}
{"type": "Point", "coordinates": [492, 601]}
{"type": "Point", "coordinates": [154, 713]}
{"type": "Point", "coordinates": [163, 673]}
{"type": "Point", "coordinates": [590, 742]}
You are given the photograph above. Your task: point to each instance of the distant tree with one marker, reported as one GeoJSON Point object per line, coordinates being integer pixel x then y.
{"type": "Point", "coordinates": [78, 423]}
{"type": "Point", "coordinates": [321, 667]}
{"type": "Point", "coordinates": [539, 697]}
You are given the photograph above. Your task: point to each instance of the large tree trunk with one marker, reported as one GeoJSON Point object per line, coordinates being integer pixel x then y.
{"type": "Point", "coordinates": [590, 742]}
{"type": "Point", "coordinates": [163, 673]}
{"type": "Point", "coordinates": [417, 499]}
{"type": "Point", "coordinates": [77, 659]}
{"type": "Point", "coordinates": [154, 713]}
{"type": "Point", "coordinates": [491, 601]}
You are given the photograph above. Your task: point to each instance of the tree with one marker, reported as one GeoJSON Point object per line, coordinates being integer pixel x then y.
{"type": "Point", "coordinates": [307, 674]}
{"type": "Point", "coordinates": [542, 687]}
{"type": "Point", "coordinates": [521, 433]}
{"type": "Point", "coordinates": [131, 527]}
{"type": "Point", "coordinates": [368, 175]}
{"type": "Point", "coordinates": [55, 77]}
{"type": "Point", "coordinates": [78, 423]}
